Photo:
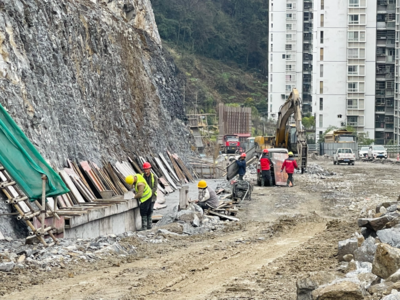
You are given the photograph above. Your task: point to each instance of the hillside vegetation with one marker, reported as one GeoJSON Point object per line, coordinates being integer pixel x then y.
{"type": "Point", "coordinates": [221, 47]}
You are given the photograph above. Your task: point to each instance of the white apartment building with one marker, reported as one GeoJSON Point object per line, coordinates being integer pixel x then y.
{"type": "Point", "coordinates": [343, 64]}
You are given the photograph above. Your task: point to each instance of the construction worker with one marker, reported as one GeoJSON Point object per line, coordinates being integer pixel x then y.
{"type": "Point", "coordinates": [266, 164]}
{"type": "Point", "coordinates": [241, 162]}
{"type": "Point", "coordinates": [290, 164]}
{"type": "Point", "coordinates": [152, 181]}
{"type": "Point", "coordinates": [207, 197]}
{"type": "Point", "coordinates": [143, 194]}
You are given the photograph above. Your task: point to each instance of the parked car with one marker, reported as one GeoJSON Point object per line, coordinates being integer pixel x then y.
{"type": "Point", "coordinates": [363, 152]}
{"type": "Point", "coordinates": [377, 151]}
{"type": "Point", "coordinates": [271, 153]}
{"type": "Point", "coordinates": [344, 155]}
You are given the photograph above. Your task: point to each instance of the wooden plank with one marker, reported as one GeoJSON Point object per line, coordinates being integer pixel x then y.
{"type": "Point", "coordinates": [166, 174]}
{"type": "Point", "coordinates": [71, 186]}
{"type": "Point", "coordinates": [168, 166]}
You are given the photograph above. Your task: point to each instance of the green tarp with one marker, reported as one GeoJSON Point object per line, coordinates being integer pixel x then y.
{"type": "Point", "coordinates": [24, 163]}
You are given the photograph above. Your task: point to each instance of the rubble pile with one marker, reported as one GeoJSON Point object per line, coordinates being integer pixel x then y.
{"type": "Point", "coordinates": [15, 254]}
{"type": "Point", "coordinates": [369, 261]}
{"type": "Point", "coordinates": [191, 221]}
{"type": "Point", "coordinates": [385, 161]}
{"type": "Point", "coordinates": [314, 169]}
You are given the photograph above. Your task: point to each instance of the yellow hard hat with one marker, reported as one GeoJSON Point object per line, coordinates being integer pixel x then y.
{"type": "Point", "coordinates": [290, 153]}
{"type": "Point", "coordinates": [129, 179]}
{"type": "Point", "coordinates": [202, 184]}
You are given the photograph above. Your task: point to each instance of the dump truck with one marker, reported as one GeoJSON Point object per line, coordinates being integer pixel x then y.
{"type": "Point", "coordinates": [230, 144]}
{"type": "Point", "coordinates": [340, 136]}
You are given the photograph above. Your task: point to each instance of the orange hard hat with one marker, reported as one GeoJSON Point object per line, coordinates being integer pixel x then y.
{"type": "Point", "coordinates": [243, 155]}
{"type": "Point", "coordinates": [146, 165]}
{"type": "Point", "coordinates": [265, 151]}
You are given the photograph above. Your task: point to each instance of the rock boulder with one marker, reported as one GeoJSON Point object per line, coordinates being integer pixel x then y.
{"type": "Point", "coordinates": [366, 252]}
{"type": "Point", "coordinates": [346, 247]}
{"type": "Point", "coordinates": [386, 261]}
{"type": "Point", "coordinates": [345, 290]}
{"type": "Point", "coordinates": [312, 281]}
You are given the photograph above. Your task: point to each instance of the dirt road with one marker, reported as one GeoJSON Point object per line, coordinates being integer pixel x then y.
{"type": "Point", "coordinates": [283, 234]}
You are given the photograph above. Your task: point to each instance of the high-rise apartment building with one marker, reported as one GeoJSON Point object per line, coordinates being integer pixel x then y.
{"type": "Point", "coordinates": [343, 60]}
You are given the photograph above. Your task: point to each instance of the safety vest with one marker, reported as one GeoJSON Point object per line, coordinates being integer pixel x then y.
{"type": "Point", "coordinates": [147, 190]}
{"type": "Point", "coordinates": [152, 182]}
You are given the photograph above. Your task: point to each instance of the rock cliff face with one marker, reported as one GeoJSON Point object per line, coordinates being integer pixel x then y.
{"type": "Point", "coordinates": [88, 79]}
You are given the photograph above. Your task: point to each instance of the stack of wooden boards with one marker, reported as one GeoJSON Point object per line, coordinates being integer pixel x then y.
{"type": "Point", "coordinates": [93, 187]}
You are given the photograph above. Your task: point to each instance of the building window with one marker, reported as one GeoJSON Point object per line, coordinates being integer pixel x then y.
{"type": "Point", "coordinates": [352, 70]}
{"type": "Point", "coordinates": [288, 37]}
{"type": "Point", "coordinates": [322, 20]}
{"type": "Point", "coordinates": [272, 57]}
{"type": "Point", "coordinates": [272, 78]}
{"type": "Point", "coordinates": [321, 120]}
{"type": "Point", "coordinates": [272, 17]}
{"type": "Point", "coordinates": [321, 37]}
{"type": "Point", "coordinates": [352, 103]}
{"type": "Point", "coordinates": [271, 88]}
{"type": "Point", "coordinates": [272, 25]}
{"type": "Point", "coordinates": [283, 56]}
{"type": "Point", "coordinates": [321, 104]}
{"type": "Point", "coordinates": [288, 68]}
{"type": "Point", "coordinates": [321, 87]}
{"type": "Point", "coordinates": [290, 78]}
{"type": "Point", "coordinates": [288, 88]}
{"type": "Point", "coordinates": [271, 68]}
{"type": "Point", "coordinates": [289, 6]}
{"type": "Point", "coordinates": [321, 71]}
{"type": "Point", "coordinates": [270, 107]}
{"type": "Point", "coordinates": [288, 47]}
{"type": "Point", "coordinates": [353, 36]}
{"type": "Point", "coordinates": [321, 54]}
{"type": "Point", "coordinates": [354, 19]}
{"type": "Point", "coordinates": [288, 26]}
{"type": "Point", "coordinates": [272, 37]}
{"type": "Point", "coordinates": [272, 48]}
{"type": "Point", "coordinates": [354, 3]}
{"type": "Point", "coordinates": [352, 121]}
{"type": "Point", "coordinates": [289, 16]}
{"type": "Point", "coordinates": [322, 4]}
{"type": "Point", "coordinates": [288, 56]}
{"type": "Point", "coordinates": [353, 53]}
{"type": "Point", "coordinates": [352, 87]}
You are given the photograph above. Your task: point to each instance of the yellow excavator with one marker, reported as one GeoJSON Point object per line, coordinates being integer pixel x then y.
{"type": "Point", "coordinates": [291, 136]}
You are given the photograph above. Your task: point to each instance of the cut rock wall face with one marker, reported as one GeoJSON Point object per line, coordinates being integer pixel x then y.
{"type": "Point", "coordinates": [89, 79]}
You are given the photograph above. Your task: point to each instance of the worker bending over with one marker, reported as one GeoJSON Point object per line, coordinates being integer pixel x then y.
{"type": "Point", "coordinates": [266, 164]}
{"type": "Point", "coordinates": [143, 194]}
{"type": "Point", "coordinates": [290, 164]}
{"type": "Point", "coordinates": [241, 162]}
{"type": "Point", "coordinates": [207, 197]}
{"type": "Point", "coordinates": [152, 181]}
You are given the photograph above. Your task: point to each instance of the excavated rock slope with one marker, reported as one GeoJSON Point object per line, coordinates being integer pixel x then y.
{"type": "Point", "coordinates": [88, 80]}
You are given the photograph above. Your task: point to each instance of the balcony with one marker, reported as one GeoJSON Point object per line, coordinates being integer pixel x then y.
{"type": "Point", "coordinates": [307, 37]}
{"type": "Point", "coordinates": [380, 109]}
{"type": "Point", "coordinates": [380, 125]}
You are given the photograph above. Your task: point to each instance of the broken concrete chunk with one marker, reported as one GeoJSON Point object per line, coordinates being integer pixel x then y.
{"type": "Point", "coordinates": [366, 252]}
{"type": "Point", "coordinates": [395, 296]}
{"type": "Point", "coordinates": [6, 266]}
{"type": "Point", "coordinates": [312, 281]}
{"type": "Point", "coordinates": [342, 290]}
{"type": "Point", "coordinates": [346, 247]}
{"type": "Point", "coordinates": [390, 236]}
{"type": "Point", "coordinates": [383, 210]}
{"type": "Point", "coordinates": [392, 208]}
{"type": "Point", "coordinates": [196, 221]}
{"type": "Point", "coordinates": [186, 216]}
{"type": "Point", "coordinates": [368, 279]}
{"type": "Point", "coordinates": [387, 261]}
{"type": "Point", "coordinates": [378, 223]}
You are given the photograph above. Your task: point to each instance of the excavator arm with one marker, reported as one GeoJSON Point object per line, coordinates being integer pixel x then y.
{"type": "Point", "coordinates": [289, 108]}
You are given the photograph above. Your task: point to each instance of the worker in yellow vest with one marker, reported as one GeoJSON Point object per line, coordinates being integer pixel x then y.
{"type": "Point", "coordinates": [152, 181]}
{"type": "Point", "coordinates": [143, 194]}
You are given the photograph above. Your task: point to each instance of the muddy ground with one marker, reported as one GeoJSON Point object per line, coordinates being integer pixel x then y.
{"type": "Point", "coordinates": [283, 234]}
